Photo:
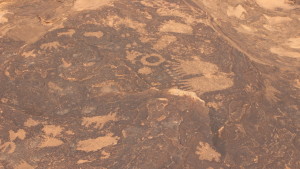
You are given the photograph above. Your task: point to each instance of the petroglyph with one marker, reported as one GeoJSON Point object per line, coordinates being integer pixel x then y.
{"type": "Point", "coordinates": [7, 147]}
{"type": "Point", "coordinates": [178, 92]}
{"type": "Point", "coordinates": [50, 142]}
{"type": "Point", "coordinates": [50, 46]}
{"type": "Point", "coordinates": [245, 29]}
{"type": "Point", "coordinates": [29, 54]}
{"type": "Point", "coordinates": [24, 165]}
{"type": "Point", "coordinates": [98, 121]}
{"type": "Point", "coordinates": [176, 27]}
{"type": "Point", "coordinates": [97, 143]}
{"type": "Point", "coordinates": [65, 64]}
{"type": "Point", "coordinates": [284, 52]}
{"type": "Point", "coordinates": [207, 75]}
{"type": "Point", "coordinates": [104, 155]}
{"type": "Point", "coordinates": [132, 55]}
{"type": "Point", "coordinates": [53, 86]}
{"type": "Point", "coordinates": [81, 5]}
{"type": "Point", "coordinates": [145, 70]}
{"type": "Point", "coordinates": [107, 87]}
{"type": "Point", "coordinates": [21, 134]}
{"type": "Point", "coordinates": [116, 22]}
{"type": "Point", "coordinates": [152, 60]}
{"type": "Point", "coordinates": [294, 42]}
{"type": "Point", "coordinates": [164, 41]}
{"type": "Point", "coordinates": [3, 19]}
{"type": "Point", "coordinates": [98, 34]}
{"type": "Point", "coordinates": [31, 122]}
{"type": "Point", "coordinates": [149, 84]}
{"type": "Point", "coordinates": [189, 19]}
{"type": "Point", "coordinates": [69, 33]}
{"type": "Point", "coordinates": [271, 92]}
{"type": "Point", "coordinates": [272, 5]}
{"type": "Point", "coordinates": [52, 130]}
{"type": "Point", "coordinates": [83, 161]}
{"type": "Point", "coordinates": [274, 20]}
{"type": "Point", "coordinates": [206, 152]}
{"type": "Point", "coordinates": [238, 11]}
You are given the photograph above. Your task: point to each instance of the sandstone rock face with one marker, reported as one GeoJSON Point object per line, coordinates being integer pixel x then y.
{"type": "Point", "coordinates": [181, 84]}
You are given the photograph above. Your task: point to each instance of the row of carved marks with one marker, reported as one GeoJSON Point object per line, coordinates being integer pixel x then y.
{"type": "Point", "coordinates": [150, 122]}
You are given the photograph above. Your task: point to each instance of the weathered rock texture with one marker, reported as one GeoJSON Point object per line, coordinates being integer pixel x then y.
{"type": "Point", "coordinates": [149, 84]}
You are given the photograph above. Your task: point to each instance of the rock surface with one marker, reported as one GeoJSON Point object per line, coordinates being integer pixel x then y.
{"type": "Point", "coordinates": [149, 84]}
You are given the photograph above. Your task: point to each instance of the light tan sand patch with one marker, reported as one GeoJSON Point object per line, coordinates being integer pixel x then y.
{"type": "Point", "coordinates": [97, 143]}
{"type": "Point", "coordinates": [176, 27]}
{"type": "Point", "coordinates": [98, 121]}
{"type": "Point", "coordinates": [206, 152]}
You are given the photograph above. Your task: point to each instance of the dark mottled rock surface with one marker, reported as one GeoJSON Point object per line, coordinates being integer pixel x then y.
{"type": "Point", "coordinates": [149, 84]}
